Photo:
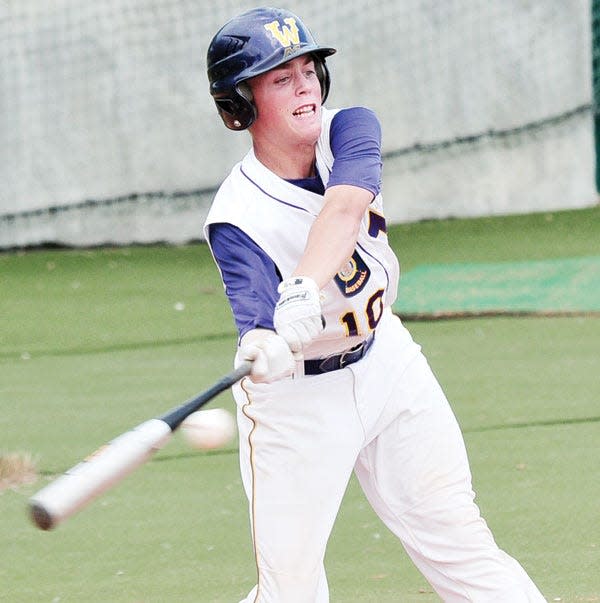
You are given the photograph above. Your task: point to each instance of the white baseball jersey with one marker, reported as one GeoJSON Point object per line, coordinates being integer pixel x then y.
{"type": "Point", "coordinates": [259, 202]}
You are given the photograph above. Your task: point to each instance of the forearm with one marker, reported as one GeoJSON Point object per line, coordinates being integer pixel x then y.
{"type": "Point", "coordinates": [331, 241]}
{"type": "Point", "coordinates": [332, 238]}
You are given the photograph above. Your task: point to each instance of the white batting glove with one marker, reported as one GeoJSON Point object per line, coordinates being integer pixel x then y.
{"type": "Point", "coordinates": [271, 356]}
{"type": "Point", "coordinates": [297, 316]}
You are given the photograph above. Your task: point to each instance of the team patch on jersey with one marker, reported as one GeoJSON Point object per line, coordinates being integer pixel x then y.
{"type": "Point", "coordinates": [353, 276]}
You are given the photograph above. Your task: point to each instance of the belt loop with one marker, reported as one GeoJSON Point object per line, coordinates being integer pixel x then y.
{"type": "Point", "coordinates": [299, 370]}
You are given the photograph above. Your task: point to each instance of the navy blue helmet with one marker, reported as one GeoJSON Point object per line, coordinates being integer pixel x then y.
{"type": "Point", "coordinates": [253, 43]}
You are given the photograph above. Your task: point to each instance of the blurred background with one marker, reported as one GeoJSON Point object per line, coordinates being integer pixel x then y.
{"type": "Point", "coordinates": [108, 134]}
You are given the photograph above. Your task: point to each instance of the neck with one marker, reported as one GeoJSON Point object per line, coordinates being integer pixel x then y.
{"type": "Point", "coordinates": [290, 165]}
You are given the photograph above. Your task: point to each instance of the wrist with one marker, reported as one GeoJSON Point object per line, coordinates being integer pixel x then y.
{"type": "Point", "coordinates": [298, 281]}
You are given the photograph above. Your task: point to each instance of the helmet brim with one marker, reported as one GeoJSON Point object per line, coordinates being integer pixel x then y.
{"type": "Point", "coordinates": [281, 57]}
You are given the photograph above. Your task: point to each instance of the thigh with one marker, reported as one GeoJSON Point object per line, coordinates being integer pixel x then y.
{"type": "Point", "coordinates": [420, 452]}
{"type": "Point", "coordinates": [298, 444]}
{"type": "Point", "coordinates": [416, 476]}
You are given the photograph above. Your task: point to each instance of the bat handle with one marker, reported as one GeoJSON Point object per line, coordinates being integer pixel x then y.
{"type": "Point", "coordinates": [177, 415]}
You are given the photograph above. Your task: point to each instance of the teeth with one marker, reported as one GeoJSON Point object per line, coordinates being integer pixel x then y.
{"type": "Point", "coordinates": [304, 111]}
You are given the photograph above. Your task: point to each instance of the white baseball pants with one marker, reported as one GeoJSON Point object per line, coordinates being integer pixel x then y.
{"type": "Point", "coordinates": [386, 418]}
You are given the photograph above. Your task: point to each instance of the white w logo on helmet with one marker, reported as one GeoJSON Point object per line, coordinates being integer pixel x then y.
{"type": "Point", "coordinates": [286, 34]}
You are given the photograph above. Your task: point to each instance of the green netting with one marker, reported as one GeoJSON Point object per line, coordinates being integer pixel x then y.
{"type": "Point", "coordinates": [550, 286]}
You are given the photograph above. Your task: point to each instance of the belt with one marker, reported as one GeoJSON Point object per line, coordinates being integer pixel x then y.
{"type": "Point", "coordinates": [338, 361]}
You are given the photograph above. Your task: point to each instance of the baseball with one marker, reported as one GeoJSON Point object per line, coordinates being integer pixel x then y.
{"type": "Point", "coordinates": [208, 429]}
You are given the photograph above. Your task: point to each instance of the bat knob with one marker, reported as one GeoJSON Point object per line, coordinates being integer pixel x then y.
{"type": "Point", "coordinates": [40, 516]}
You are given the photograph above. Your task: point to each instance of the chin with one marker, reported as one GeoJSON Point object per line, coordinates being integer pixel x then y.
{"type": "Point", "coordinates": [309, 133]}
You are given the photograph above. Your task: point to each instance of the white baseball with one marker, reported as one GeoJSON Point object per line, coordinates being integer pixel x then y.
{"type": "Point", "coordinates": [208, 429]}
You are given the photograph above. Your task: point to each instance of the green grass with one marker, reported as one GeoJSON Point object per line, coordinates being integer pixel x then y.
{"type": "Point", "coordinates": [92, 343]}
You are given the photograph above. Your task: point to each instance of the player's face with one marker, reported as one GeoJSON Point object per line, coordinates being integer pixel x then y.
{"type": "Point", "coordinates": [288, 103]}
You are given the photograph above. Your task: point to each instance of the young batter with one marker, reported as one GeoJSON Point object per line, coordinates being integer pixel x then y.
{"type": "Point", "coordinates": [338, 385]}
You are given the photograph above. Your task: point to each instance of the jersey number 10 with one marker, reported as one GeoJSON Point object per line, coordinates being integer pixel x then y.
{"type": "Point", "coordinates": [373, 312]}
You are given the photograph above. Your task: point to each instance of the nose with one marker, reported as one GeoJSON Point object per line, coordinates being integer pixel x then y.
{"type": "Point", "coordinates": [299, 77]}
{"type": "Point", "coordinates": [302, 83]}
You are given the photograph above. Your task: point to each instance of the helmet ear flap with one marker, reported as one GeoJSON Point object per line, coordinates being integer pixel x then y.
{"type": "Point", "coordinates": [237, 112]}
{"type": "Point", "coordinates": [322, 75]}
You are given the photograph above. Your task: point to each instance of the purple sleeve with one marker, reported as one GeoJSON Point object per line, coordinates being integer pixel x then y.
{"type": "Point", "coordinates": [355, 139]}
{"type": "Point", "coordinates": [249, 275]}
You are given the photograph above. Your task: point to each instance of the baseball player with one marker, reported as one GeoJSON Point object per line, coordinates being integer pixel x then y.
{"type": "Point", "coordinates": [338, 385]}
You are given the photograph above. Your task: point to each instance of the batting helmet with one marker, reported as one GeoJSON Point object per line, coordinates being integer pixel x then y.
{"type": "Point", "coordinates": [253, 43]}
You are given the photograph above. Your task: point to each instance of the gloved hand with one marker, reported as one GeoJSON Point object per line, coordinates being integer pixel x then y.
{"type": "Point", "coordinates": [271, 356]}
{"type": "Point", "coordinates": [297, 316]}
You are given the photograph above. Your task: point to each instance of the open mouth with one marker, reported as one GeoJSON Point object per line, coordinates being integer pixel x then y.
{"type": "Point", "coordinates": [305, 110]}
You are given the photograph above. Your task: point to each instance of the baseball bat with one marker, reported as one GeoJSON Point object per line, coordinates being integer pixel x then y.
{"type": "Point", "coordinates": [111, 463]}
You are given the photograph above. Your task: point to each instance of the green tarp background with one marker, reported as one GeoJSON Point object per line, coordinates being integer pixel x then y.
{"type": "Point", "coordinates": [552, 286]}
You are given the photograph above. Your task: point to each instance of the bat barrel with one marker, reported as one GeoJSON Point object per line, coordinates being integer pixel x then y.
{"type": "Point", "coordinates": [111, 463]}
{"type": "Point", "coordinates": [101, 470]}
